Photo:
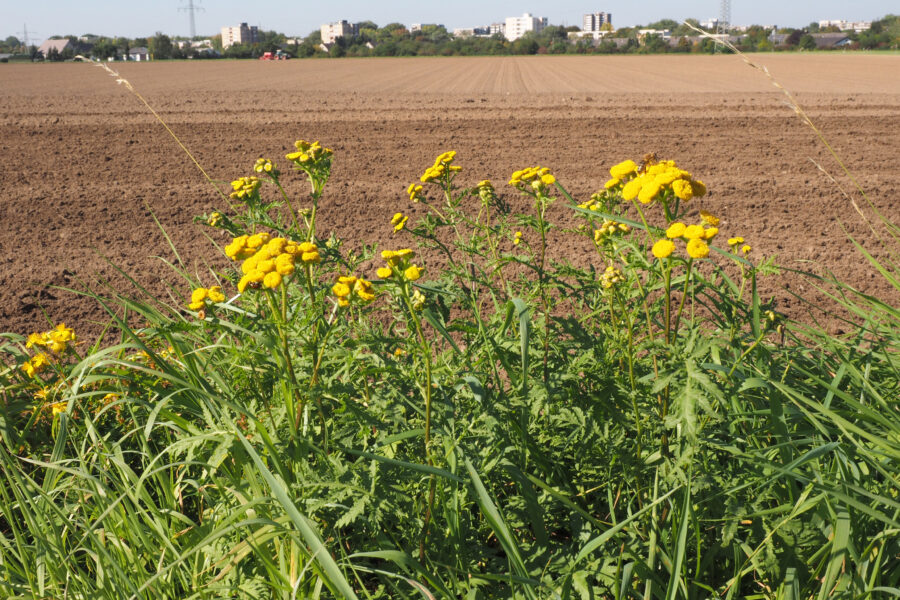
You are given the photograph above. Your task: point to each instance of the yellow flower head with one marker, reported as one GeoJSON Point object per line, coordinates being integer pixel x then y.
{"type": "Point", "coordinates": [675, 230]}
{"type": "Point", "coordinates": [709, 218]}
{"type": "Point", "coordinates": [623, 169]}
{"type": "Point", "coordinates": [746, 249]}
{"type": "Point", "coordinates": [682, 189]}
{"type": "Point", "coordinates": [649, 192]}
{"type": "Point", "coordinates": [632, 188]}
{"type": "Point", "coordinates": [611, 276]}
{"type": "Point", "coordinates": [735, 241]}
{"type": "Point", "coordinates": [310, 156]}
{"type": "Point", "coordinates": [58, 407]}
{"type": "Point", "coordinates": [215, 294]}
{"type": "Point", "coordinates": [663, 248]}
{"type": "Point", "coordinates": [412, 273]}
{"type": "Point", "coordinates": [699, 188]}
{"type": "Point", "coordinates": [485, 184]}
{"type": "Point", "coordinates": [364, 290]}
{"type": "Point", "coordinates": [414, 191]}
{"type": "Point", "coordinates": [417, 300]}
{"type": "Point", "coordinates": [341, 290]}
{"type": "Point", "coordinates": [697, 248]}
{"type": "Point", "coordinates": [245, 187]}
{"type": "Point", "coordinates": [612, 183]}
{"type": "Point", "coordinates": [710, 233]}
{"type": "Point", "coordinates": [693, 232]}
{"type": "Point", "coordinates": [199, 295]}
{"type": "Point", "coordinates": [384, 272]}
{"type": "Point", "coordinates": [264, 165]}
{"type": "Point", "coordinates": [518, 238]}
{"type": "Point", "coordinates": [399, 221]}
{"type": "Point", "coordinates": [272, 280]}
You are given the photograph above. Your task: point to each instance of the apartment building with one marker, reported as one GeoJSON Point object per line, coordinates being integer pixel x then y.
{"type": "Point", "coordinates": [516, 27]}
{"type": "Point", "coordinates": [332, 31]}
{"type": "Point", "coordinates": [596, 21]}
{"type": "Point", "coordinates": [242, 34]}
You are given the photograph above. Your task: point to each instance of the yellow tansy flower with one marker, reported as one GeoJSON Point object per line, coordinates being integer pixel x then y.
{"type": "Point", "coordinates": [412, 273]}
{"type": "Point", "coordinates": [623, 169]}
{"type": "Point", "coordinates": [272, 280]}
{"type": "Point", "coordinates": [693, 232]}
{"type": "Point", "coordinates": [675, 230]}
{"type": "Point", "coordinates": [697, 248]}
{"type": "Point", "coordinates": [663, 248]}
{"type": "Point", "coordinates": [709, 218]}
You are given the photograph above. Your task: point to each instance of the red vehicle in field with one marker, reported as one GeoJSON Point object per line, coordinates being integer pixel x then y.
{"type": "Point", "coordinates": [279, 55]}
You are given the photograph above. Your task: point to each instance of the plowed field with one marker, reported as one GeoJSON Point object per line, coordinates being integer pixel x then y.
{"type": "Point", "coordinates": [85, 167]}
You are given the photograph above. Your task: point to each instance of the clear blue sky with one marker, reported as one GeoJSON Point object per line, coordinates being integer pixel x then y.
{"type": "Point", "coordinates": [298, 17]}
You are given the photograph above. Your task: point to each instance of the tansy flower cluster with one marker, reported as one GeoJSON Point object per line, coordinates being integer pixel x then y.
{"type": "Point", "coordinates": [310, 155]}
{"type": "Point", "coordinates": [398, 221]}
{"type": "Point", "coordinates": [662, 181]}
{"type": "Point", "coordinates": [611, 276]}
{"type": "Point", "coordinates": [200, 295]}
{"type": "Point", "coordinates": [737, 241]}
{"type": "Point", "coordinates": [695, 236]}
{"type": "Point", "coordinates": [245, 187]}
{"type": "Point", "coordinates": [518, 238]}
{"type": "Point", "coordinates": [609, 228]}
{"type": "Point", "coordinates": [268, 259]}
{"type": "Point", "coordinates": [485, 189]}
{"type": "Point", "coordinates": [347, 286]}
{"type": "Point", "coordinates": [214, 219]}
{"type": "Point", "coordinates": [537, 177]}
{"type": "Point", "coordinates": [399, 263]}
{"type": "Point", "coordinates": [414, 191]}
{"type": "Point", "coordinates": [55, 340]}
{"type": "Point", "coordinates": [35, 364]}
{"type": "Point", "coordinates": [264, 165]}
{"type": "Point", "coordinates": [442, 167]}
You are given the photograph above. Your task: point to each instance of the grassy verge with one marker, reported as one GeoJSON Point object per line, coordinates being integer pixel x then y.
{"type": "Point", "coordinates": [307, 425]}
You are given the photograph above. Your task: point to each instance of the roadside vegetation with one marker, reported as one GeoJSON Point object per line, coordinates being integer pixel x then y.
{"type": "Point", "coordinates": [324, 418]}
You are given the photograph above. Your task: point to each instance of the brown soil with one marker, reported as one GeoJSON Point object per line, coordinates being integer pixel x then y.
{"type": "Point", "coordinates": [86, 167]}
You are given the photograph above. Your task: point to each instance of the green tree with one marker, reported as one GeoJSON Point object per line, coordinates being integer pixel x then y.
{"type": "Point", "coordinates": [160, 46]}
{"type": "Point", "coordinates": [807, 42]}
{"type": "Point", "coordinates": [104, 49]}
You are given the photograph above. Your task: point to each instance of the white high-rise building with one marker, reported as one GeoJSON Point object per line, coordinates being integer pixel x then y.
{"type": "Point", "coordinates": [596, 21]}
{"type": "Point", "coordinates": [516, 27]}
{"type": "Point", "coordinates": [242, 34]}
{"type": "Point", "coordinates": [333, 31]}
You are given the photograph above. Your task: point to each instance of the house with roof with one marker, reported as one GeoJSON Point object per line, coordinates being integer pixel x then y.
{"type": "Point", "coordinates": [831, 41]}
{"type": "Point", "coordinates": [56, 46]}
{"type": "Point", "coordinates": [139, 54]}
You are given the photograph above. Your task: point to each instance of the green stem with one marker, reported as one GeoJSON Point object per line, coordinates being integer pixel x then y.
{"type": "Point", "coordinates": [426, 357]}
{"type": "Point", "coordinates": [288, 202]}
{"type": "Point", "coordinates": [684, 295]}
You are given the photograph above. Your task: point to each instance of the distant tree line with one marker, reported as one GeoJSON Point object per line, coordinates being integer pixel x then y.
{"type": "Point", "coordinates": [394, 39]}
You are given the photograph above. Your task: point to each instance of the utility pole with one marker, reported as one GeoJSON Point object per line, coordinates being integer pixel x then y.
{"type": "Point", "coordinates": [724, 24]}
{"type": "Point", "coordinates": [190, 9]}
{"type": "Point", "coordinates": [24, 34]}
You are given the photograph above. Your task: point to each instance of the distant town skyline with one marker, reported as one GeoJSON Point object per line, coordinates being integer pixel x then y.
{"type": "Point", "coordinates": [45, 18]}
